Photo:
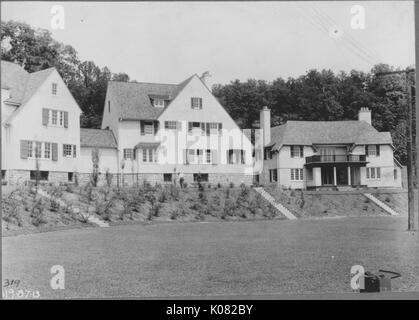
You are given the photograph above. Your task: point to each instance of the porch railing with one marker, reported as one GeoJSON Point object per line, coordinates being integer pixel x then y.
{"type": "Point", "coordinates": [336, 158]}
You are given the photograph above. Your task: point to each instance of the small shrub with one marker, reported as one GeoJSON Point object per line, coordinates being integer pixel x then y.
{"type": "Point", "coordinates": [163, 195]}
{"type": "Point", "coordinates": [10, 208]}
{"type": "Point", "coordinates": [37, 213]}
{"type": "Point", "coordinates": [109, 178]}
{"type": "Point", "coordinates": [231, 185]}
{"type": "Point", "coordinates": [292, 194]}
{"type": "Point", "coordinates": [387, 199]}
{"type": "Point", "coordinates": [218, 185]}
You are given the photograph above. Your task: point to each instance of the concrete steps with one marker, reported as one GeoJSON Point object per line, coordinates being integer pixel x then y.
{"type": "Point", "coordinates": [276, 204]}
{"type": "Point", "coordinates": [381, 204]}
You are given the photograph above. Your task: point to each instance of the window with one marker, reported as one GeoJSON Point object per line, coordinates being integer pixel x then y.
{"type": "Point", "coordinates": [297, 151]}
{"type": "Point", "coordinates": [200, 177]}
{"type": "Point", "coordinates": [167, 177]}
{"type": "Point", "coordinates": [148, 128]}
{"type": "Point", "coordinates": [128, 154]}
{"type": "Point", "coordinates": [3, 174]}
{"type": "Point", "coordinates": [372, 150]}
{"type": "Point", "coordinates": [373, 173]}
{"type": "Point", "coordinates": [43, 175]}
{"type": "Point", "coordinates": [273, 175]}
{"type": "Point", "coordinates": [171, 125]}
{"type": "Point", "coordinates": [297, 174]}
{"type": "Point", "coordinates": [67, 150]}
{"type": "Point", "coordinates": [38, 149]}
{"type": "Point", "coordinates": [158, 103]}
{"type": "Point", "coordinates": [47, 150]}
{"type": "Point", "coordinates": [235, 156]}
{"type": "Point", "coordinates": [70, 176]}
{"type": "Point", "coordinates": [54, 117]}
{"type": "Point", "coordinates": [213, 127]}
{"type": "Point", "coordinates": [196, 103]}
{"type": "Point", "coordinates": [54, 89]}
{"type": "Point", "coordinates": [149, 155]}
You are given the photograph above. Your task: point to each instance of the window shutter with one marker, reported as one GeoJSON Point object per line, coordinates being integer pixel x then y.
{"type": "Point", "coordinates": [366, 151]}
{"type": "Point", "coordinates": [214, 155]}
{"type": "Point", "coordinates": [54, 151]}
{"type": "Point", "coordinates": [156, 127]}
{"type": "Point", "coordinates": [301, 151]}
{"type": "Point", "coordinates": [291, 152]}
{"type": "Point", "coordinates": [378, 150]}
{"type": "Point", "coordinates": [220, 128]}
{"type": "Point", "coordinates": [63, 151]}
{"type": "Point", "coordinates": [185, 156]}
{"type": "Point", "coordinates": [368, 172]}
{"type": "Point", "coordinates": [45, 116]}
{"type": "Point", "coordinates": [242, 155]}
{"type": "Point", "coordinates": [134, 154]}
{"type": "Point", "coordinates": [74, 150]}
{"type": "Point", "coordinates": [24, 149]}
{"type": "Point", "coordinates": [65, 119]}
{"type": "Point", "coordinates": [192, 103]}
{"type": "Point", "coordinates": [179, 125]}
{"type": "Point", "coordinates": [202, 128]}
{"type": "Point", "coordinates": [142, 127]}
{"type": "Point", "coordinates": [378, 173]}
{"type": "Point", "coordinates": [207, 128]}
{"type": "Point", "coordinates": [200, 103]}
{"type": "Point", "coordinates": [189, 126]}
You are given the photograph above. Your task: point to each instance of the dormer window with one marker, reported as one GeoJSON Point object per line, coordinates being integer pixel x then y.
{"type": "Point", "coordinates": [54, 89]}
{"type": "Point", "coordinates": [158, 103]}
{"type": "Point", "coordinates": [196, 103]}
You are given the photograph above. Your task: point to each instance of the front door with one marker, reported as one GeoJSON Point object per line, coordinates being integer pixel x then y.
{"type": "Point", "coordinates": [327, 176]}
{"type": "Point", "coordinates": [355, 176]}
{"type": "Point", "coordinates": [342, 176]}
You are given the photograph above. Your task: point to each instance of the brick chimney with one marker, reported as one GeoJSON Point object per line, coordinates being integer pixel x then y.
{"type": "Point", "coordinates": [265, 125]}
{"type": "Point", "coordinates": [364, 114]}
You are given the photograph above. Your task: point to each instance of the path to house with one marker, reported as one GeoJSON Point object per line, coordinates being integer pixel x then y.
{"type": "Point", "coordinates": [217, 258]}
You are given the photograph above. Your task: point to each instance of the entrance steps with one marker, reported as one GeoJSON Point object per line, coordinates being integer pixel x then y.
{"type": "Point", "coordinates": [275, 204]}
{"type": "Point", "coordinates": [381, 204]}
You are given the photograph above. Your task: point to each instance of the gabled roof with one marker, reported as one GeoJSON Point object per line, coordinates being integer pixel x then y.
{"type": "Point", "coordinates": [22, 85]}
{"type": "Point", "coordinates": [133, 99]}
{"type": "Point", "coordinates": [326, 132]}
{"type": "Point", "coordinates": [97, 138]}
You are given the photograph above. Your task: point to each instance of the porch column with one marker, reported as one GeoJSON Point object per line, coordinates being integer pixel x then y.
{"type": "Point", "coordinates": [349, 175]}
{"type": "Point", "coordinates": [334, 176]}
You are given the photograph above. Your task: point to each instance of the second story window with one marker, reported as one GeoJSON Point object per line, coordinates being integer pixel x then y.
{"type": "Point", "coordinates": [69, 150]}
{"type": "Point", "coordinates": [372, 150]}
{"type": "Point", "coordinates": [54, 89]}
{"type": "Point", "coordinates": [55, 118]}
{"type": "Point", "coordinates": [128, 154]}
{"type": "Point", "coordinates": [196, 103]}
{"type": "Point", "coordinates": [158, 103]}
{"type": "Point", "coordinates": [171, 125]}
{"type": "Point", "coordinates": [297, 151]}
{"type": "Point", "coordinates": [148, 127]}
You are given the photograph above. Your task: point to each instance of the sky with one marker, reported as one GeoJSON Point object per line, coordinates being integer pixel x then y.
{"type": "Point", "coordinates": [167, 42]}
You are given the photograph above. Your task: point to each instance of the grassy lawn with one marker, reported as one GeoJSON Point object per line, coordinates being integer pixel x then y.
{"type": "Point", "coordinates": [215, 258]}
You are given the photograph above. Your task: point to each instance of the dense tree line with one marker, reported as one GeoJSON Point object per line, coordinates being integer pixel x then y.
{"type": "Point", "coordinates": [317, 95]}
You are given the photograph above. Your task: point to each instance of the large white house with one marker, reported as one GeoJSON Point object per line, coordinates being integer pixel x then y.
{"type": "Point", "coordinates": [40, 123]}
{"type": "Point", "coordinates": [162, 130]}
{"type": "Point", "coordinates": [327, 154]}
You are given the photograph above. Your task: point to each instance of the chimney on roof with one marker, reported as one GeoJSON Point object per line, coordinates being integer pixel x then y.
{"type": "Point", "coordinates": [364, 114]}
{"type": "Point", "coordinates": [205, 79]}
{"type": "Point", "coordinates": [265, 125]}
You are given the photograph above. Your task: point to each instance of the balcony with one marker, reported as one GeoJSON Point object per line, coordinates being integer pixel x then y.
{"type": "Point", "coordinates": [359, 159]}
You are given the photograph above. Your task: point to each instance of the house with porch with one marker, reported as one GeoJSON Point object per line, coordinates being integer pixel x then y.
{"type": "Point", "coordinates": [327, 154]}
{"type": "Point", "coordinates": [168, 131]}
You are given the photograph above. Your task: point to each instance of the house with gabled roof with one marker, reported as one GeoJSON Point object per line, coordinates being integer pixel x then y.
{"type": "Point", "coordinates": [164, 131]}
{"type": "Point", "coordinates": [327, 154]}
{"type": "Point", "coordinates": [40, 125]}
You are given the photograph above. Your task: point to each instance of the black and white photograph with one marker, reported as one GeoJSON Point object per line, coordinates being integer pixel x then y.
{"type": "Point", "coordinates": [209, 150]}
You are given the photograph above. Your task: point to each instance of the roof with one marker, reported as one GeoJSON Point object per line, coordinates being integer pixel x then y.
{"type": "Point", "coordinates": [326, 132]}
{"type": "Point", "coordinates": [97, 138]}
{"type": "Point", "coordinates": [133, 99]}
{"type": "Point", "coordinates": [22, 85]}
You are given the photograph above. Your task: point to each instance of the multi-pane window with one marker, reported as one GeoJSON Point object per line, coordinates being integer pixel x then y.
{"type": "Point", "coordinates": [297, 151]}
{"type": "Point", "coordinates": [67, 150]}
{"type": "Point", "coordinates": [149, 155]}
{"type": "Point", "coordinates": [54, 118]}
{"type": "Point", "coordinates": [372, 150]}
{"type": "Point", "coordinates": [200, 177]}
{"type": "Point", "coordinates": [208, 158]}
{"type": "Point", "coordinates": [171, 125]}
{"type": "Point", "coordinates": [213, 127]}
{"type": "Point", "coordinates": [373, 173]}
{"type": "Point", "coordinates": [235, 156]}
{"type": "Point", "coordinates": [47, 150]}
{"type": "Point", "coordinates": [297, 174]}
{"type": "Point", "coordinates": [61, 123]}
{"type": "Point", "coordinates": [40, 150]}
{"type": "Point", "coordinates": [159, 103]}
{"type": "Point", "coordinates": [196, 103]}
{"type": "Point", "coordinates": [128, 154]}
{"type": "Point", "coordinates": [54, 89]}
{"type": "Point", "coordinates": [208, 128]}
{"type": "Point", "coordinates": [148, 128]}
